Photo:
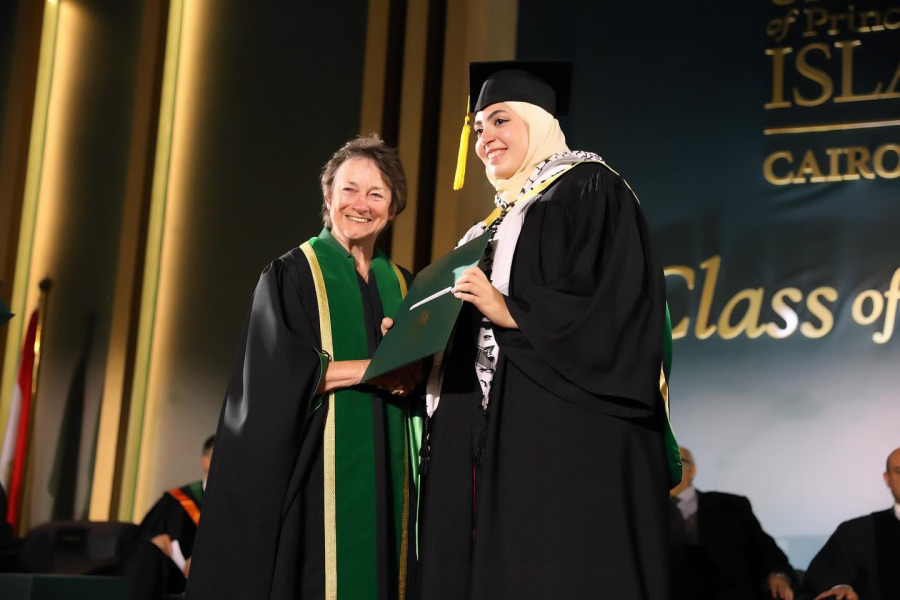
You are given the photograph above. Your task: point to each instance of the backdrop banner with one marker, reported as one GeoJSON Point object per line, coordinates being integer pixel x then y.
{"type": "Point", "coordinates": [764, 143]}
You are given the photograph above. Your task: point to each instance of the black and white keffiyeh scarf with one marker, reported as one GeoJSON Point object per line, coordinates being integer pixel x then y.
{"type": "Point", "coordinates": [497, 262]}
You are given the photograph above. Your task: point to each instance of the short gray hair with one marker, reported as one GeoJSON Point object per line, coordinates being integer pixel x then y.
{"type": "Point", "coordinates": [385, 158]}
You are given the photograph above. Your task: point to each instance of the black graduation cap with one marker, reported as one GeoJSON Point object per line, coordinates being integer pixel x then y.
{"type": "Point", "coordinates": [543, 83]}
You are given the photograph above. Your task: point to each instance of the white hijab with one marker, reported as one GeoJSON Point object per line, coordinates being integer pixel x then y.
{"type": "Point", "coordinates": [545, 139]}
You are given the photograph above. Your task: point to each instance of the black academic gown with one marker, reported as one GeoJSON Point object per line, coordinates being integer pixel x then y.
{"type": "Point", "coordinates": [169, 516]}
{"type": "Point", "coordinates": [150, 571]}
{"type": "Point", "coordinates": [863, 553]}
{"type": "Point", "coordinates": [731, 556]}
{"type": "Point", "coordinates": [571, 479]}
{"type": "Point", "coordinates": [262, 532]}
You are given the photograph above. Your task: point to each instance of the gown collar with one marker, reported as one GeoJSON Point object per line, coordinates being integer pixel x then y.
{"type": "Point", "coordinates": [325, 235]}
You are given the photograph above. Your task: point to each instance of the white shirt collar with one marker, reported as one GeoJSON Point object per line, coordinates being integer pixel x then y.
{"type": "Point", "coordinates": [897, 509]}
{"type": "Point", "coordinates": [690, 493]}
{"type": "Point", "coordinates": [688, 502]}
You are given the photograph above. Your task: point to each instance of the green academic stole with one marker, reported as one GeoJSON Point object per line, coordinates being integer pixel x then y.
{"type": "Point", "coordinates": [351, 544]}
{"type": "Point", "coordinates": [673, 453]}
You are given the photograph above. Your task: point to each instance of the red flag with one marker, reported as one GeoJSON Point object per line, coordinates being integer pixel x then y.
{"type": "Point", "coordinates": [15, 443]}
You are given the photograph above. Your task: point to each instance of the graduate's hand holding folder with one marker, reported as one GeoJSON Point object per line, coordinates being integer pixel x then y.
{"type": "Point", "coordinates": [425, 319]}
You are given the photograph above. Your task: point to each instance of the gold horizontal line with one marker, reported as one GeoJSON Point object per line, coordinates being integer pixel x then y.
{"type": "Point", "coordinates": [830, 127]}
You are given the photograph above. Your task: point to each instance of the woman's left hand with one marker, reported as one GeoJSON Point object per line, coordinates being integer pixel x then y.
{"type": "Point", "coordinates": [474, 287]}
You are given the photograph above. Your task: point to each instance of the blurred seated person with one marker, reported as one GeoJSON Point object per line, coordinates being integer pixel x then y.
{"type": "Point", "coordinates": [719, 549]}
{"type": "Point", "coordinates": [6, 531]}
{"type": "Point", "coordinates": [861, 559]}
{"type": "Point", "coordinates": [10, 546]}
{"type": "Point", "coordinates": [160, 561]}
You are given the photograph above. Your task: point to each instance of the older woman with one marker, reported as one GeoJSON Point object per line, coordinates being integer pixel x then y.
{"type": "Point", "coordinates": [310, 491]}
{"type": "Point", "coordinates": [550, 391]}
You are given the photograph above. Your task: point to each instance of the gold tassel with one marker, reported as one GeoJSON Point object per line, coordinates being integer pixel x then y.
{"type": "Point", "coordinates": [460, 176]}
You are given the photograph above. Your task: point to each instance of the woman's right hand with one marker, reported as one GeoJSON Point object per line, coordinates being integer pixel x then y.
{"type": "Point", "coordinates": [348, 373]}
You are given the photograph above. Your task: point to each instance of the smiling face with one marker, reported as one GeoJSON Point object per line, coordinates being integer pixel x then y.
{"type": "Point", "coordinates": [359, 205]}
{"type": "Point", "coordinates": [502, 140]}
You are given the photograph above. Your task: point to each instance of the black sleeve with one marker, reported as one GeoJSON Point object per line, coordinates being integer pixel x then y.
{"type": "Point", "coordinates": [160, 518]}
{"type": "Point", "coordinates": [268, 401]}
{"type": "Point", "coordinates": [835, 564]}
{"type": "Point", "coordinates": [771, 558]}
{"type": "Point", "coordinates": [588, 295]}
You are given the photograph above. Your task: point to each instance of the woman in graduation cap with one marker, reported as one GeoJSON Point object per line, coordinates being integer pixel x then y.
{"type": "Point", "coordinates": [547, 472]}
{"type": "Point", "coordinates": [310, 492]}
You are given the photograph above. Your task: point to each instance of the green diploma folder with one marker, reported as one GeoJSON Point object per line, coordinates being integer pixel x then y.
{"type": "Point", "coordinates": [425, 319]}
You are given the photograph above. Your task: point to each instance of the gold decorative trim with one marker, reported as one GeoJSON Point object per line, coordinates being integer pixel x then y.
{"type": "Point", "coordinates": [400, 279]}
{"type": "Point", "coordinates": [664, 389]}
{"type": "Point", "coordinates": [628, 185]}
{"type": "Point", "coordinates": [404, 536]}
{"type": "Point", "coordinates": [495, 214]}
{"type": "Point", "coordinates": [831, 127]}
{"type": "Point", "coordinates": [330, 516]}
{"type": "Point", "coordinates": [544, 185]}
